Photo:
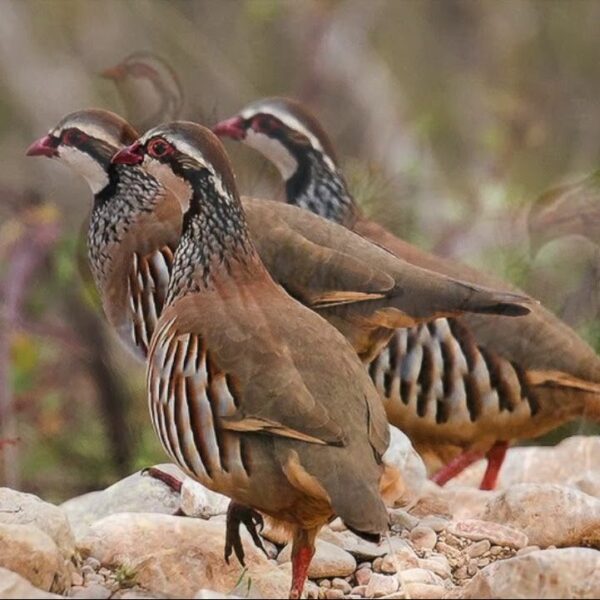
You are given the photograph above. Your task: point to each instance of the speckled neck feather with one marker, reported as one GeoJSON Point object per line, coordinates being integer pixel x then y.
{"type": "Point", "coordinates": [316, 187]}
{"type": "Point", "coordinates": [130, 192]}
{"type": "Point", "coordinates": [214, 235]}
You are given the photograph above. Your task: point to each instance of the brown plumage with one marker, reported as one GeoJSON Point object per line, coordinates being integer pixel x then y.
{"type": "Point", "coordinates": [241, 396]}
{"type": "Point", "coordinates": [461, 385]}
{"type": "Point", "coordinates": [134, 230]}
{"type": "Point", "coordinates": [133, 227]}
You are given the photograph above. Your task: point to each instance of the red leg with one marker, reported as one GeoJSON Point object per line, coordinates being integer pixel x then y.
{"type": "Point", "coordinates": [456, 466]}
{"type": "Point", "coordinates": [495, 458]}
{"type": "Point", "coordinates": [168, 479]}
{"type": "Point", "coordinates": [303, 549]}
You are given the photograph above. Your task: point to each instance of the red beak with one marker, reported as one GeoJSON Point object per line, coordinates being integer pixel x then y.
{"type": "Point", "coordinates": [130, 155]}
{"type": "Point", "coordinates": [45, 146]}
{"type": "Point", "coordinates": [232, 128]}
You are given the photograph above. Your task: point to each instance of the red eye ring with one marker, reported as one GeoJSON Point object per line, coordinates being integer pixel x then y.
{"type": "Point", "coordinates": [74, 137]}
{"type": "Point", "coordinates": [265, 123]}
{"type": "Point", "coordinates": [159, 148]}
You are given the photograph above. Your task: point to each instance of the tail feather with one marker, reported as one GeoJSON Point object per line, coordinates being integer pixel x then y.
{"type": "Point", "coordinates": [358, 503]}
{"type": "Point", "coordinates": [488, 301]}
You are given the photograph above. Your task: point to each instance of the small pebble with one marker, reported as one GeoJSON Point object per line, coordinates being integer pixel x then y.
{"type": "Point", "coordinates": [337, 525]}
{"type": "Point", "coordinates": [423, 538]}
{"type": "Point", "coordinates": [483, 562]}
{"type": "Point", "coordinates": [76, 579]}
{"type": "Point", "coordinates": [377, 564]}
{"type": "Point", "coordinates": [478, 548]}
{"type": "Point", "coordinates": [453, 541]}
{"type": "Point", "coordinates": [94, 578]}
{"type": "Point", "coordinates": [325, 583]}
{"type": "Point", "coordinates": [472, 567]}
{"type": "Point", "coordinates": [419, 576]}
{"type": "Point", "coordinates": [362, 576]}
{"type": "Point", "coordinates": [311, 589]}
{"type": "Point", "coordinates": [333, 594]}
{"type": "Point", "coordinates": [447, 550]}
{"type": "Point", "coordinates": [438, 524]}
{"type": "Point", "coordinates": [424, 591]}
{"type": "Point", "coordinates": [399, 561]}
{"type": "Point", "coordinates": [90, 561]}
{"type": "Point", "coordinates": [87, 570]}
{"type": "Point", "coordinates": [402, 519]}
{"type": "Point", "coordinates": [359, 590]}
{"type": "Point", "coordinates": [92, 592]}
{"type": "Point", "coordinates": [436, 564]}
{"type": "Point", "coordinates": [381, 585]}
{"type": "Point", "coordinates": [527, 550]}
{"type": "Point", "coordinates": [341, 584]}
{"type": "Point", "coordinates": [495, 550]}
{"type": "Point", "coordinates": [461, 572]}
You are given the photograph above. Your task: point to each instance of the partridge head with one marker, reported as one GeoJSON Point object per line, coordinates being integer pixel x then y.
{"type": "Point", "coordinates": [86, 141]}
{"type": "Point", "coordinates": [288, 134]}
{"type": "Point", "coordinates": [150, 89]}
{"type": "Point", "coordinates": [129, 251]}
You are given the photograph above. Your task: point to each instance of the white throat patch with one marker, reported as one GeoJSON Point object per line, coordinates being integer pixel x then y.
{"type": "Point", "coordinates": [178, 186]}
{"type": "Point", "coordinates": [85, 166]}
{"type": "Point", "coordinates": [274, 150]}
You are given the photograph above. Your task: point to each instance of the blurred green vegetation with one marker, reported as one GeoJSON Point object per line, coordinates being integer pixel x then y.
{"type": "Point", "coordinates": [450, 118]}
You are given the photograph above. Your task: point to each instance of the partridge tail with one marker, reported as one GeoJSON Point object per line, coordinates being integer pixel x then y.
{"type": "Point", "coordinates": [358, 503]}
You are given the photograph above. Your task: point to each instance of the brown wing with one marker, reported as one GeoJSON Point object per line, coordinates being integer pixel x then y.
{"type": "Point", "coordinates": [272, 397]}
{"type": "Point", "coordinates": [324, 264]}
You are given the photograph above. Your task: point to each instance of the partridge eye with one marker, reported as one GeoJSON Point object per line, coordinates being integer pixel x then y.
{"type": "Point", "coordinates": [158, 148]}
{"type": "Point", "coordinates": [266, 123]}
{"type": "Point", "coordinates": [73, 137]}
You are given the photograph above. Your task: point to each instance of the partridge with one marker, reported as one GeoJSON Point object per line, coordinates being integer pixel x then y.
{"type": "Point", "coordinates": [135, 227]}
{"type": "Point", "coordinates": [136, 222]}
{"type": "Point", "coordinates": [149, 87]}
{"type": "Point", "coordinates": [460, 388]}
{"type": "Point", "coordinates": [250, 392]}
{"type": "Point", "coordinates": [130, 243]}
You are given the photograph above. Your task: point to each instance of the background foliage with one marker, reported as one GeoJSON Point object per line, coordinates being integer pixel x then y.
{"type": "Point", "coordinates": [451, 119]}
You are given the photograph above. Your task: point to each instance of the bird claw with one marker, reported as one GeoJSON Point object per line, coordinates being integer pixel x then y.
{"type": "Point", "coordinates": [253, 520]}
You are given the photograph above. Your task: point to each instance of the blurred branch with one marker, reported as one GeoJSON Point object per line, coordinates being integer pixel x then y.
{"type": "Point", "coordinates": [39, 232]}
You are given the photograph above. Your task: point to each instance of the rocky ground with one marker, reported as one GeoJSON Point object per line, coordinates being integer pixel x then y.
{"type": "Point", "coordinates": [537, 536]}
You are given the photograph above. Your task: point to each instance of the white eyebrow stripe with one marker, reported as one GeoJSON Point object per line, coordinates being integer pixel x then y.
{"type": "Point", "coordinates": [91, 130]}
{"type": "Point", "coordinates": [293, 123]}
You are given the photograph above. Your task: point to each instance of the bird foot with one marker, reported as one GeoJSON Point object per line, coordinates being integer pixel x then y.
{"type": "Point", "coordinates": [456, 466]}
{"type": "Point", "coordinates": [236, 515]}
{"type": "Point", "coordinates": [495, 458]}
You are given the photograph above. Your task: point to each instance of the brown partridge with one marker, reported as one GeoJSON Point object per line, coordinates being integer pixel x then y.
{"type": "Point", "coordinates": [460, 388]}
{"type": "Point", "coordinates": [135, 227]}
{"type": "Point", "coordinates": [136, 222]}
{"type": "Point", "coordinates": [130, 245]}
{"type": "Point", "coordinates": [250, 392]}
{"type": "Point", "coordinates": [149, 87]}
